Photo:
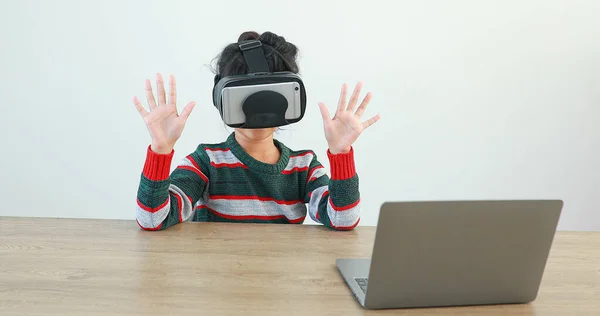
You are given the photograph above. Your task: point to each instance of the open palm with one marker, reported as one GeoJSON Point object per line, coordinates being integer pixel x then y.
{"type": "Point", "coordinates": [163, 122]}
{"type": "Point", "coordinates": [345, 127]}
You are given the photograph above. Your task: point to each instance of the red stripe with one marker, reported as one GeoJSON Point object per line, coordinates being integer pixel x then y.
{"type": "Point", "coordinates": [251, 217]}
{"type": "Point", "coordinates": [295, 169]}
{"type": "Point", "coordinates": [313, 171]}
{"type": "Point", "coordinates": [228, 165]}
{"type": "Point", "coordinates": [145, 228]}
{"type": "Point", "coordinates": [345, 227]}
{"type": "Point", "coordinates": [196, 171]}
{"type": "Point", "coordinates": [254, 197]}
{"type": "Point", "coordinates": [297, 220]}
{"type": "Point", "coordinates": [302, 154]}
{"type": "Point", "coordinates": [343, 208]}
{"type": "Point", "coordinates": [152, 210]}
{"type": "Point", "coordinates": [217, 149]}
{"type": "Point", "coordinates": [193, 161]}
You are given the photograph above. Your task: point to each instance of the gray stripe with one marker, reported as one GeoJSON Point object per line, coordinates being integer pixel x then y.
{"type": "Point", "coordinates": [257, 208]}
{"type": "Point", "coordinates": [187, 207]}
{"type": "Point", "coordinates": [313, 204]}
{"type": "Point", "coordinates": [219, 157]}
{"type": "Point", "coordinates": [299, 162]}
{"type": "Point", "coordinates": [152, 220]}
{"type": "Point", "coordinates": [343, 218]}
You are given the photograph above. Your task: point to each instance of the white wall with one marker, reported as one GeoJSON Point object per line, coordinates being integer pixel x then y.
{"type": "Point", "coordinates": [479, 99]}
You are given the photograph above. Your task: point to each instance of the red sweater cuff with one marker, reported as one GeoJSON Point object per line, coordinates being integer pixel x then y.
{"type": "Point", "coordinates": [157, 166]}
{"type": "Point", "coordinates": [342, 165]}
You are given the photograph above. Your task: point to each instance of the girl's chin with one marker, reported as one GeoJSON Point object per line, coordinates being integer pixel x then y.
{"type": "Point", "coordinates": [257, 134]}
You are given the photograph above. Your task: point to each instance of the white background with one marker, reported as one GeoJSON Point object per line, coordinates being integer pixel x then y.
{"type": "Point", "coordinates": [479, 99]}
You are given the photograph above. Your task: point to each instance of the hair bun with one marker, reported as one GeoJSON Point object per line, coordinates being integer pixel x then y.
{"type": "Point", "coordinates": [279, 43]}
{"type": "Point", "coordinates": [250, 35]}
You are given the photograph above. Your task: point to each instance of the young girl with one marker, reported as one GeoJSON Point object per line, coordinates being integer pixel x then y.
{"type": "Point", "coordinates": [250, 177]}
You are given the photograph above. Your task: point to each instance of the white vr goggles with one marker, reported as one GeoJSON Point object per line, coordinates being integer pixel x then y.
{"type": "Point", "coordinates": [261, 98]}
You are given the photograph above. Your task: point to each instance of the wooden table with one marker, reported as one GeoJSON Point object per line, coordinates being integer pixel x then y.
{"type": "Point", "coordinates": [111, 267]}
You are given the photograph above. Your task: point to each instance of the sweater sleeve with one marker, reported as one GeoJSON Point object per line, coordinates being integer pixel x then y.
{"type": "Point", "coordinates": [163, 200]}
{"type": "Point", "coordinates": [334, 202]}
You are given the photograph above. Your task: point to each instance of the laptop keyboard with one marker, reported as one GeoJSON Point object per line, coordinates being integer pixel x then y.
{"type": "Point", "coordinates": [362, 283]}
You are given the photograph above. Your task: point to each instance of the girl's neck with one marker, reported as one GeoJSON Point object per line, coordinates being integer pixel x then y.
{"type": "Point", "coordinates": [262, 148]}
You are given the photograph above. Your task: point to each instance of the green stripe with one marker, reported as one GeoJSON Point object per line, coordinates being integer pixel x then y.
{"type": "Point", "coordinates": [238, 181]}
{"type": "Point", "coordinates": [188, 181]}
{"type": "Point", "coordinates": [204, 215]}
{"type": "Point", "coordinates": [344, 192]}
{"type": "Point", "coordinates": [173, 217]}
{"type": "Point", "coordinates": [201, 159]}
{"type": "Point", "coordinates": [152, 194]}
{"type": "Point", "coordinates": [323, 215]}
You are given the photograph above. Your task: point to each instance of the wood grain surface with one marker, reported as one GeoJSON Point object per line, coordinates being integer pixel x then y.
{"type": "Point", "coordinates": [111, 267]}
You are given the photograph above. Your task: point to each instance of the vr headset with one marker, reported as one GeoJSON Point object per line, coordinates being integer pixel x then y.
{"type": "Point", "coordinates": [260, 98]}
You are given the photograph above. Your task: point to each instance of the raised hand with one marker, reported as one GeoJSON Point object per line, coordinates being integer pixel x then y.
{"type": "Point", "coordinates": [343, 129]}
{"type": "Point", "coordinates": [163, 122]}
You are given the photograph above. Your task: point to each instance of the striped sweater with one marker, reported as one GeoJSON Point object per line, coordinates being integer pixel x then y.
{"type": "Point", "coordinates": [223, 183]}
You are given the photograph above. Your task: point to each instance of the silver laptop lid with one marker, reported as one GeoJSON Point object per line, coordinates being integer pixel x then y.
{"type": "Point", "coordinates": [448, 253]}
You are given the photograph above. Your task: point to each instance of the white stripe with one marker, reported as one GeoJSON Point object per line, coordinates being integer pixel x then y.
{"type": "Point", "coordinates": [187, 207]}
{"type": "Point", "coordinates": [219, 157]}
{"type": "Point", "coordinates": [313, 204]}
{"type": "Point", "coordinates": [256, 208]}
{"type": "Point", "coordinates": [317, 174]}
{"type": "Point", "coordinates": [186, 162]}
{"type": "Point", "coordinates": [343, 218]}
{"type": "Point", "coordinates": [299, 162]}
{"type": "Point", "coordinates": [152, 220]}
{"type": "Point", "coordinates": [338, 218]}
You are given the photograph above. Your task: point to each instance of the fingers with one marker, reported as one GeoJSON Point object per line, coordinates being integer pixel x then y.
{"type": "Point", "coordinates": [160, 90]}
{"type": "Point", "coordinates": [187, 110]}
{"type": "Point", "coordinates": [371, 121]}
{"type": "Point", "coordinates": [324, 112]}
{"type": "Point", "coordinates": [172, 91]}
{"type": "Point", "coordinates": [139, 106]}
{"type": "Point", "coordinates": [150, 95]}
{"type": "Point", "coordinates": [354, 97]}
{"type": "Point", "coordinates": [342, 102]}
{"type": "Point", "coordinates": [363, 105]}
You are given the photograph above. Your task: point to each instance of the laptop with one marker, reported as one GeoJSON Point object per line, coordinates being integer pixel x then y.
{"type": "Point", "coordinates": [454, 253]}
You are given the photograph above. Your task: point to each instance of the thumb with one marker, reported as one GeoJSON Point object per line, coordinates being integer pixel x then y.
{"type": "Point", "coordinates": [187, 110]}
{"type": "Point", "coordinates": [324, 113]}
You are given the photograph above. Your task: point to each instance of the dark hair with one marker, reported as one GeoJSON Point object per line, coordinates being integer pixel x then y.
{"type": "Point", "coordinates": [280, 54]}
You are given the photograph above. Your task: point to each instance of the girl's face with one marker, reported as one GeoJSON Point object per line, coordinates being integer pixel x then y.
{"type": "Point", "coordinates": [256, 135]}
